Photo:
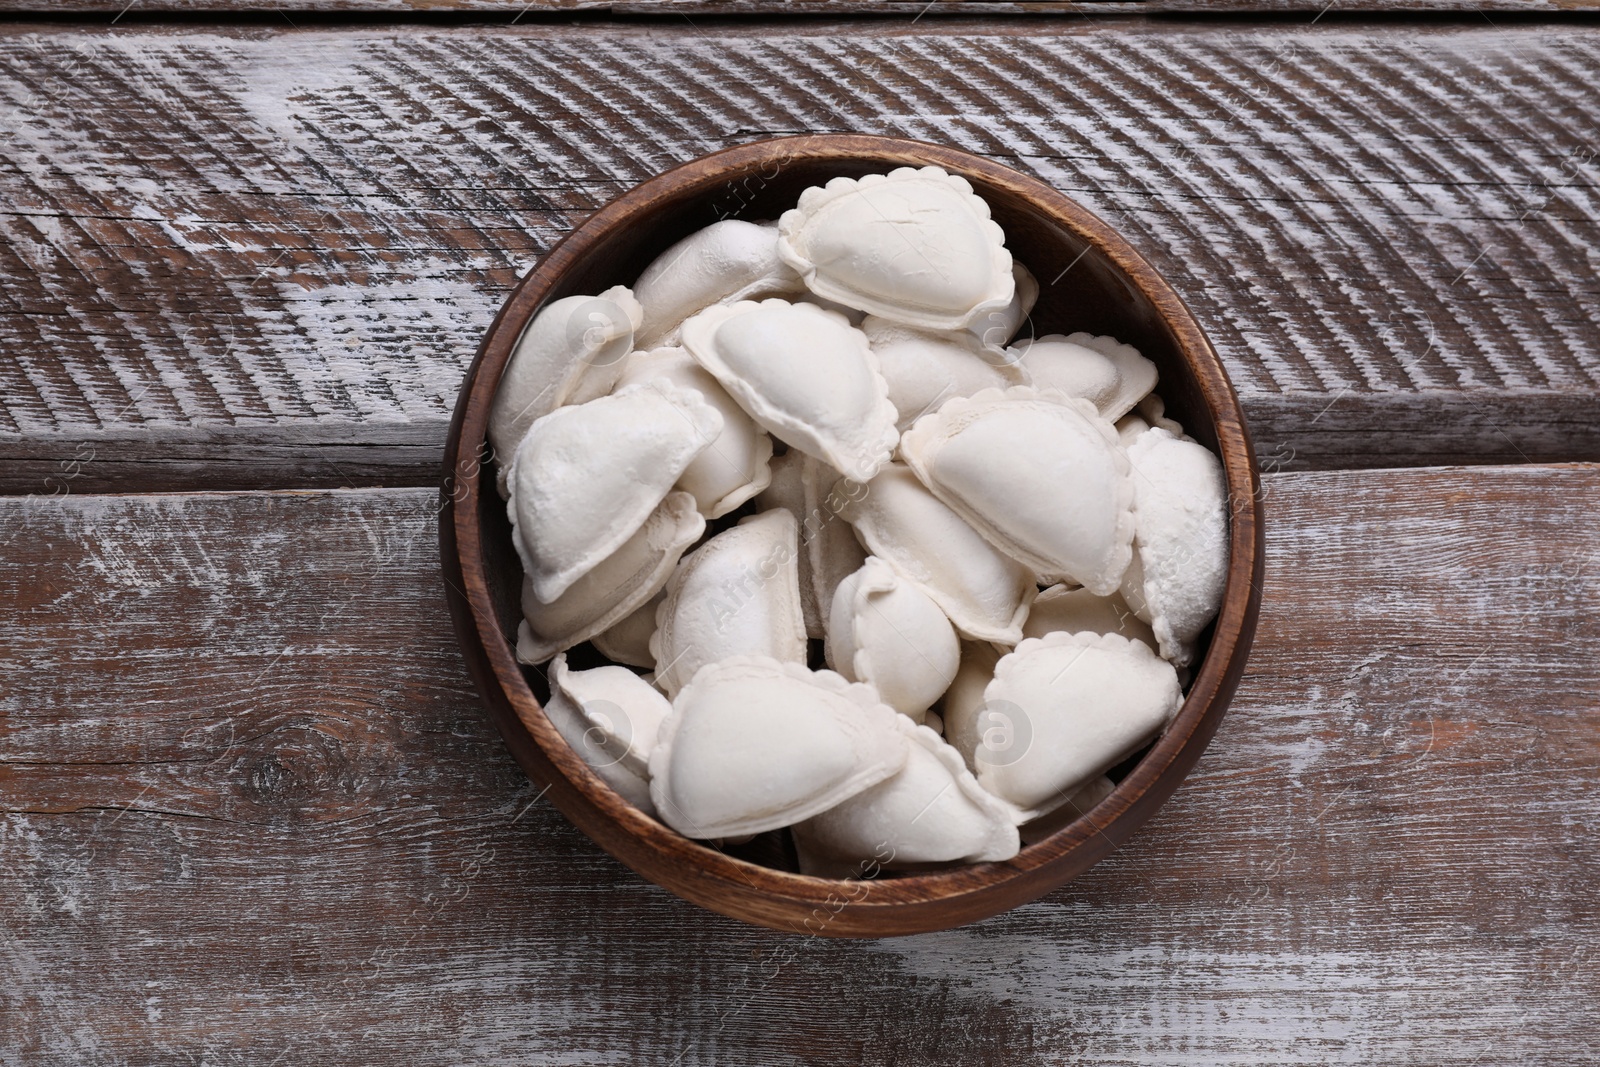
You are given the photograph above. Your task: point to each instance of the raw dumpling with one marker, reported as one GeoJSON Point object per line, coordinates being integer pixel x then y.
{"type": "Point", "coordinates": [1180, 556]}
{"type": "Point", "coordinates": [585, 478]}
{"type": "Point", "coordinates": [805, 375]}
{"type": "Point", "coordinates": [785, 490]}
{"type": "Point", "coordinates": [610, 717]}
{"type": "Point", "coordinates": [628, 639]}
{"type": "Point", "coordinates": [851, 315]}
{"type": "Point", "coordinates": [611, 591]}
{"type": "Point", "coordinates": [733, 468]}
{"type": "Point", "coordinates": [995, 329]}
{"type": "Point", "coordinates": [754, 744]}
{"type": "Point", "coordinates": [931, 811]}
{"type": "Point", "coordinates": [925, 368]}
{"type": "Point", "coordinates": [1110, 375]}
{"type": "Point", "coordinates": [887, 632]}
{"type": "Point", "coordinates": [1130, 426]}
{"type": "Point", "coordinates": [1080, 611]}
{"type": "Point", "coordinates": [1066, 708]}
{"type": "Point", "coordinates": [1149, 412]}
{"type": "Point", "coordinates": [788, 492]}
{"type": "Point", "coordinates": [829, 551]}
{"type": "Point", "coordinates": [963, 703]}
{"type": "Point", "coordinates": [727, 261]}
{"type": "Point", "coordinates": [982, 591]}
{"type": "Point", "coordinates": [571, 352]}
{"type": "Point", "coordinates": [914, 245]}
{"type": "Point", "coordinates": [1078, 805]}
{"type": "Point", "coordinates": [1041, 475]}
{"type": "Point", "coordinates": [737, 594]}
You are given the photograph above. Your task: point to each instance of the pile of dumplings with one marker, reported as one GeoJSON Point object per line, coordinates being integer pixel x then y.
{"type": "Point", "coordinates": [820, 441]}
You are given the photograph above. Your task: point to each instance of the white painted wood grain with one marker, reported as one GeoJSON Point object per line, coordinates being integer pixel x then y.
{"type": "Point", "coordinates": [534, 10]}
{"type": "Point", "coordinates": [252, 810]}
{"type": "Point", "coordinates": [298, 233]}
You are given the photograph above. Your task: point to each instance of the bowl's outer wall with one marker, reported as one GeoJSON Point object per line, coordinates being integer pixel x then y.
{"type": "Point", "coordinates": [1089, 280]}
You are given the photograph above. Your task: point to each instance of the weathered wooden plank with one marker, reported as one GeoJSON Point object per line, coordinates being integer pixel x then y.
{"type": "Point", "coordinates": [253, 810]}
{"type": "Point", "coordinates": [303, 234]}
{"type": "Point", "coordinates": [534, 9]}
{"type": "Point", "coordinates": [1293, 432]}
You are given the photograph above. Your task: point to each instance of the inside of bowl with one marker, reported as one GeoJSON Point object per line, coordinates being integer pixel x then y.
{"type": "Point", "coordinates": [1081, 288]}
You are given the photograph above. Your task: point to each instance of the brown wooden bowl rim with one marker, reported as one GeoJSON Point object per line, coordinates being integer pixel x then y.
{"type": "Point", "coordinates": [1158, 773]}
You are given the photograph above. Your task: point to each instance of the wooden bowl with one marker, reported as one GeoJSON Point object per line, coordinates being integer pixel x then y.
{"type": "Point", "coordinates": [1091, 279]}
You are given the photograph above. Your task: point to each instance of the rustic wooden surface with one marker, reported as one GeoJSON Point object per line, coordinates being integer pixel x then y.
{"type": "Point", "coordinates": [253, 810]}
{"type": "Point", "coordinates": [535, 9]}
{"type": "Point", "coordinates": [245, 256]}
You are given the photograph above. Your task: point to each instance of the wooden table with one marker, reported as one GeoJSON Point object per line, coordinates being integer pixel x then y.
{"type": "Point", "coordinates": [252, 812]}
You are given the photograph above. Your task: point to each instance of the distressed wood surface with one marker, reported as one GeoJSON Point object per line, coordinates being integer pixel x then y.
{"type": "Point", "coordinates": [535, 9]}
{"type": "Point", "coordinates": [252, 809]}
{"type": "Point", "coordinates": [264, 258]}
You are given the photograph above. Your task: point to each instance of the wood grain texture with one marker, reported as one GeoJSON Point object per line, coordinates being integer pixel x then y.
{"type": "Point", "coordinates": [253, 809]}
{"type": "Point", "coordinates": [534, 9]}
{"type": "Point", "coordinates": [285, 240]}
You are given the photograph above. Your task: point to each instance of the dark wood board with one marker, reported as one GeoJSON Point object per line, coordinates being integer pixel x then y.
{"type": "Point", "coordinates": [254, 257]}
{"type": "Point", "coordinates": [253, 810]}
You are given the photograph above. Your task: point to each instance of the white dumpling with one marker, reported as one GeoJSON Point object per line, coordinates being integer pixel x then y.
{"type": "Point", "coordinates": [727, 261]}
{"type": "Point", "coordinates": [830, 551]}
{"type": "Point", "coordinates": [786, 491]}
{"type": "Point", "coordinates": [1110, 375]}
{"type": "Point", "coordinates": [1137, 373]}
{"type": "Point", "coordinates": [1180, 547]}
{"type": "Point", "coordinates": [610, 717]}
{"type": "Point", "coordinates": [851, 315]}
{"type": "Point", "coordinates": [931, 811]}
{"type": "Point", "coordinates": [885, 631]}
{"type": "Point", "coordinates": [924, 368]}
{"type": "Point", "coordinates": [1080, 611]}
{"type": "Point", "coordinates": [983, 592]}
{"type": "Point", "coordinates": [754, 744]}
{"type": "Point", "coordinates": [995, 329]}
{"type": "Point", "coordinates": [1064, 709]}
{"type": "Point", "coordinates": [1131, 426]}
{"type": "Point", "coordinates": [585, 478]}
{"type": "Point", "coordinates": [737, 594]}
{"type": "Point", "coordinates": [804, 374]}
{"type": "Point", "coordinates": [805, 487]}
{"type": "Point", "coordinates": [614, 589]}
{"type": "Point", "coordinates": [1078, 805]}
{"type": "Point", "coordinates": [628, 639]}
{"type": "Point", "coordinates": [572, 351]}
{"type": "Point", "coordinates": [914, 245]}
{"type": "Point", "coordinates": [1148, 413]}
{"type": "Point", "coordinates": [1041, 475]}
{"type": "Point", "coordinates": [963, 702]}
{"type": "Point", "coordinates": [734, 467]}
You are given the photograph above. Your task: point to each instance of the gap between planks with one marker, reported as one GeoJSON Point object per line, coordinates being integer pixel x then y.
{"type": "Point", "coordinates": [1354, 431]}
